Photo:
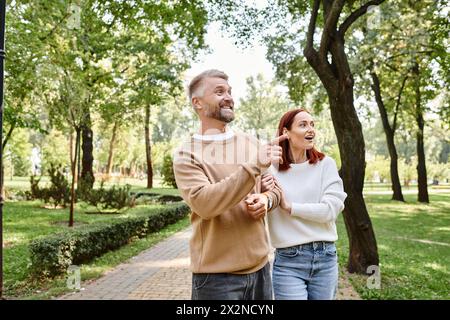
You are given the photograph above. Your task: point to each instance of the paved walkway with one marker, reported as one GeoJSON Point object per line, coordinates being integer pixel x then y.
{"type": "Point", "coordinates": [159, 273]}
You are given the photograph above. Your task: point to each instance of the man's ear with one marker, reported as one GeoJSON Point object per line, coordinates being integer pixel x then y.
{"type": "Point", "coordinates": [196, 103]}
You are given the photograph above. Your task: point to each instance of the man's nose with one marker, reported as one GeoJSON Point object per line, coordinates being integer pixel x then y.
{"type": "Point", "coordinates": [228, 96]}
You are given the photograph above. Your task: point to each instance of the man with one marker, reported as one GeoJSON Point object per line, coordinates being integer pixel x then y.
{"type": "Point", "coordinates": [218, 174]}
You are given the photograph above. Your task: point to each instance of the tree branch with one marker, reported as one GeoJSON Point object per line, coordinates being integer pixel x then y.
{"type": "Point", "coordinates": [397, 105]}
{"type": "Point", "coordinates": [329, 29]}
{"type": "Point", "coordinates": [356, 14]}
{"type": "Point", "coordinates": [8, 135]}
{"type": "Point", "coordinates": [42, 38]}
{"type": "Point", "coordinates": [409, 53]}
{"type": "Point", "coordinates": [312, 28]}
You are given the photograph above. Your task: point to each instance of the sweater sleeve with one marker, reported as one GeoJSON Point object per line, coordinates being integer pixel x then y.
{"type": "Point", "coordinates": [211, 199]}
{"type": "Point", "coordinates": [331, 201]}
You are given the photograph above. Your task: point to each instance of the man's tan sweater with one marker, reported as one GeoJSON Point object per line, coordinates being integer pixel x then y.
{"type": "Point", "coordinates": [214, 178]}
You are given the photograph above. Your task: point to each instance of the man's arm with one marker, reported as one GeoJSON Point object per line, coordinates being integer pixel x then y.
{"type": "Point", "coordinates": [212, 199]}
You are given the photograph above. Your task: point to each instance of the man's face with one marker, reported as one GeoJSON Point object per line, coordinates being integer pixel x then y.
{"type": "Point", "coordinates": [217, 102]}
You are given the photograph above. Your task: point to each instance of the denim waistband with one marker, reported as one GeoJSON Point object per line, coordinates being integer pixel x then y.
{"type": "Point", "coordinates": [316, 245]}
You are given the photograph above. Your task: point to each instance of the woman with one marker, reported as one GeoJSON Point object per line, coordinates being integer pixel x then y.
{"type": "Point", "coordinates": [302, 228]}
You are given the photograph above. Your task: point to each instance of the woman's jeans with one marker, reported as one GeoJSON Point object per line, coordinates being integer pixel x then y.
{"type": "Point", "coordinates": [227, 286]}
{"type": "Point", "coordinates": [306, 272]}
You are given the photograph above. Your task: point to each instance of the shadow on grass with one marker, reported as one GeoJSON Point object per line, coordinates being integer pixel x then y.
{"type": "Point", "coordinates": [410, 268]}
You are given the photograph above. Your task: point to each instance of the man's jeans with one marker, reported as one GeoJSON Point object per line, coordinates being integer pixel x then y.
{"type": "Point", "coordinates": [227, 286]}
{"type": "Point", "coordinates": [306, 272]}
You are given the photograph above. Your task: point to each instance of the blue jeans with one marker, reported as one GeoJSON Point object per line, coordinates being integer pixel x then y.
{"type": "Point", "coordinates": [228, 286]}
{"type": "Point", "coordinates": [306, 272]}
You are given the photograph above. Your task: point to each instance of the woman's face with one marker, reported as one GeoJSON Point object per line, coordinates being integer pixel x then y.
{"type": "Point", "coordinates": [302, 133]}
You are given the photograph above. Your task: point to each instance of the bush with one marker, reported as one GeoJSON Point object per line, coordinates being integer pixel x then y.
{"type": "Point", "coordinates": [34, 189]}
{"type": "Point", "coordinates": [52, 255]}
{"type": "Point", "coordinates": [167, 172]}
{"type": "Point", "coordinates": [154, 198]}
{"type": "Point", "coordinates": [59, 191]}
{"type": "Point", "coordinates": [114, 198]}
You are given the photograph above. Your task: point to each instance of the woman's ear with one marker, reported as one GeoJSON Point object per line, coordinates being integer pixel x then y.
{"type": "Point", "coordinates": [285, 131]}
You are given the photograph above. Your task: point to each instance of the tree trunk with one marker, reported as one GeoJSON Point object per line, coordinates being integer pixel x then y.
{"type": "Point", "coordinates": [148, 148]}
{"type": "Point", "coordinates": [421, 162]}
{"type": "Point", "coordinates": [87, 173]}
{"type": "Point", "coordinates": [73, 154]}
{"type": "Point", "coordinates": [338, 81]}
{"type": "Point", "coordinates": [74, 175]}
{"type": "Point", "coordinates": [111, 151]}
{"type": "Point", "coordinates": [390, 133]}
{"type": "Point", "coordinates": [4, 142]}
{"type": "Point", "coordinates": [362, 241]}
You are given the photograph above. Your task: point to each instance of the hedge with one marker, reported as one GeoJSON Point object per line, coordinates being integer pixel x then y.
{"type": "Point", "coordinates": [53, 255]}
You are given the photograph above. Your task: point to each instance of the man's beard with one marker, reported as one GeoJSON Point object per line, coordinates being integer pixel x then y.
{"type": "Point", "coordinates": [224, 115]}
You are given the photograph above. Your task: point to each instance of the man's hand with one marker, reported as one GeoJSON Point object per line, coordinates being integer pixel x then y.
{"type": "Point", "coordinates": [256, 205]}
{"type": "Point", "coordinates": [271, 152]}
{"type": "Point", "coordinates": [267, 182]}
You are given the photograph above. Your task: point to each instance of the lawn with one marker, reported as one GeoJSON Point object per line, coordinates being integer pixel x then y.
{"type": "Point", "coordinates": [28, 220]}
{"type": "Point", "coordinates": [413, 244]}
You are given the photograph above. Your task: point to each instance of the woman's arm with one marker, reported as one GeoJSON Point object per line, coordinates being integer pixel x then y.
{"type": "Point", "coordinates": [331, 201]}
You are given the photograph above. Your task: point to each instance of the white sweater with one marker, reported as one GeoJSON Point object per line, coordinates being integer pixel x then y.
{"type": "Point", "coordinates": [317, 195]}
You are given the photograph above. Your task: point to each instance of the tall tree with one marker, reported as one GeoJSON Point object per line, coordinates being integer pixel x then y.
{"type": "Point", "coordinates": [389, 130]}
{"type": "Point", "coordinates": [414, 53]}
{"type": "Point", "coordinates": [329, 60]}
{"type": "Point", "coordinates": [262, 107]}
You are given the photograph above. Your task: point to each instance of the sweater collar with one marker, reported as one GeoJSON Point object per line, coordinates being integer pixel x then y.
{"type": "Point", "coordinates": [214, 137]}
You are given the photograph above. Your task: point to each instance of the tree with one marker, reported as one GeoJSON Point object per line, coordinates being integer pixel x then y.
{"type": "Point", "coordinates": [159, 41]}
{"type": "Point", "coordinates": [389, 130]}
{"type": "Point", "coordinates": [262, 107]}
{"type": "Point", "coordinates": [25, 46]}
{"type": "Point", "coordinates": [329, 61]}
{"type": "Point", "coordinates": [18, 152]}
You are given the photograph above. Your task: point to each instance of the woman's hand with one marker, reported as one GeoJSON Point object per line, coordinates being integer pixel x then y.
{"type": "Point", "coordinates": [284, 204]}
{"type": "Point", "coordinates": [267, 182]}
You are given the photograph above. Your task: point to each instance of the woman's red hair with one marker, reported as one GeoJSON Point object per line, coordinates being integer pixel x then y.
{"type": "Point", "coordinates": [286, 121]}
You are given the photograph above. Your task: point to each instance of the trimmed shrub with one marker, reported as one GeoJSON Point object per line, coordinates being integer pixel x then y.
{"type": "Point", "coordinates": [52, 255]}
{"type": "Point", "coordinates": [157, 199]}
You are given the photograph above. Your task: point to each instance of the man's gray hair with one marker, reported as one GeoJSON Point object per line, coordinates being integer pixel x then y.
{"type": "Point", "coordinates": [196, 87]}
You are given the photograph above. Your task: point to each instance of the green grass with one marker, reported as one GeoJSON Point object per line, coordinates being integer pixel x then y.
{"type": "Point", "coordinates": [28, 220]}
{"type": "Point", "coordinates": [410, 269]}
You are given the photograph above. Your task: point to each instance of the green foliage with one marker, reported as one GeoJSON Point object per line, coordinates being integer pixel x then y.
{"type": "Point", "coordinates": [377, 169]}
{"type": "Point", "coordinates": [262, 108]}
{"type": "Point", "coordinates": [84, 186]}
{"type": "Point", "coordinates": [113, 198]}
{"type": "Point", "coordinates": [54, 254]}
{"type": "Point", "coordinates": [18, 153]}
{"type": "Point", "coordinates": [34, 188]}
{"type": "Point", "coordinates": [55, 149]}
{"type": "Point", "coordinates": [58, 193]}
{"type": "Point", "coordinates": [167, 171]}
{"type": "Point", "coordinates": [156, 199]}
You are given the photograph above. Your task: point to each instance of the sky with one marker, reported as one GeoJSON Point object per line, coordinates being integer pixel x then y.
{"type": "Point", "coordinates": [237, 63]}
